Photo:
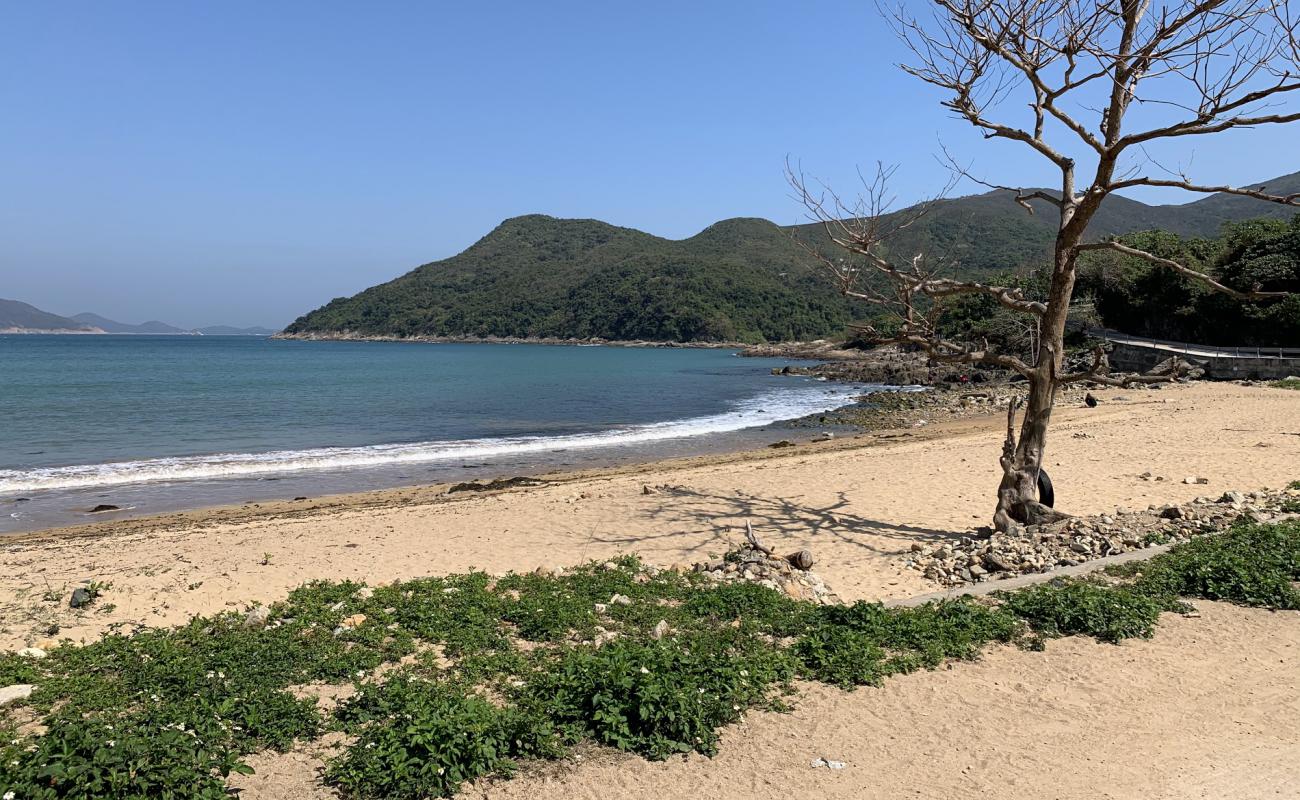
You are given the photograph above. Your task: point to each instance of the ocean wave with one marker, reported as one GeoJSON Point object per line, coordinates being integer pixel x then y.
{"type": "Point", "coordinates": [755, 412]}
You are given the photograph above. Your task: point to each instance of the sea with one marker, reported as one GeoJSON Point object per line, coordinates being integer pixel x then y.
{"type": "Point", "coordinates": [156, 424]}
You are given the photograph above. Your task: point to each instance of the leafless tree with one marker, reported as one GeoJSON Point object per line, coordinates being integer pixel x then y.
{"type": "Point", "coordinates": [1092, 87]}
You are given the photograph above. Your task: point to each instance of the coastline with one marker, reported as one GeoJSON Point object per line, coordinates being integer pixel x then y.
{"type": "Point", "coordinates": [348, 336]}
{"type": "Point", "coordinates": [859, 504]}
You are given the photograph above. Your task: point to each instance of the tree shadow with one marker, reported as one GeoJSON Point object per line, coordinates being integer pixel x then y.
{"type": "Point", "coordinates": [690, 513]}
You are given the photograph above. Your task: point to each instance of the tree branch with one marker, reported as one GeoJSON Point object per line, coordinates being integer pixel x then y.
{"type": "Point", "coordinates": [1253, 295]}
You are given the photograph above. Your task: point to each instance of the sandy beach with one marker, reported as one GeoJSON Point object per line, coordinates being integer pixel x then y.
{"type": "Point", "coordinates": [857, 503]}
{"type": "Point", "coordinates": [1201, 711]}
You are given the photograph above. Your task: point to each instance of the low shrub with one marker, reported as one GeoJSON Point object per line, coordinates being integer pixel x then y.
{"type": "Point", "coordinates": [420, 738]}
{"type": "Point", "coordinates": [127, 757]}
{"type": "Point", "coordinates": [1250, 564]}
{"type": "Point", "coordinates": [658, 698]}
{"type": "Point", "coordinates": [1070, 607]}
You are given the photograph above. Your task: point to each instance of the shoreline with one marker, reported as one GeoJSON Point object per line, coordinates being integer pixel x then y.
{"type": "Point", "coordinates": [859, 504]}
{"type": "Point", "coordinates": [437, 492]}
{"type": "Point", "coordinates": [347, 336]}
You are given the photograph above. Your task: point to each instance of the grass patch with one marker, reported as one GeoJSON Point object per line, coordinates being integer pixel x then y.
{"type": "Point", "coordinates": [537, 664]}
{"type": "Point", "coordinates": [1286, 383]}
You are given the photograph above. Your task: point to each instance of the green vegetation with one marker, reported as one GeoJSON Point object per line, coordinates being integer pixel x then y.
{"type": "Point", "coordinates": [1287, 383]}
{"type": "Point", "coordinates": [1141, 298]}
{"type": "Point", "coordinates": [525, 666]}
{"type": "Point", "coordinates": [739, 280]}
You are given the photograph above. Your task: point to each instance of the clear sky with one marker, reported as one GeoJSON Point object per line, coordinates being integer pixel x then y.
{"type": "Point", "coordinates": [244, 162]}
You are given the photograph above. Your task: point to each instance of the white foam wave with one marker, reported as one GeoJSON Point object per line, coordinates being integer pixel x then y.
{"type": "Point", "coordinates": [758, 411]}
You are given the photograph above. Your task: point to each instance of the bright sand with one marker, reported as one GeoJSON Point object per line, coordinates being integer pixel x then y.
{"type": "Point", "coordinates": [1207, 709]}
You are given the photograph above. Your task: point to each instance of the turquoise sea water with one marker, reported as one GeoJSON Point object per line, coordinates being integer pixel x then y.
{"type": "Point", "coordinates": [155, 423]}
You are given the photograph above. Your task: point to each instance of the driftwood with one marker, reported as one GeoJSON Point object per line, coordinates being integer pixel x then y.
{"type": "Point", "coordinates": [801, 559]}
{"type": "Point", "coordinates": [754, 542]}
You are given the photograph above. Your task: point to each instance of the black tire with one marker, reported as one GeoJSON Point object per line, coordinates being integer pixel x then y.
{"type": "Point", "coordinates": [1046, 494]}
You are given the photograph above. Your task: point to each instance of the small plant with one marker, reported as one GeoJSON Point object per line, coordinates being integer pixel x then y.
{"type": "Point", "coordinates": [424, 738]}
{"type": "Point", "coordinates": [1070, 607]}
{"type": "Point", "coordinates": [1286, 383]}
{"type": "Point", "coordinates": [1155, 538]}
{"type": "Point", "coordinates": [266, 559]}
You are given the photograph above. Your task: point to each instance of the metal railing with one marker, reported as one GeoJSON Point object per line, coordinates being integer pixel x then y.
{"type": "Point", "coordinates": [1185, 348]}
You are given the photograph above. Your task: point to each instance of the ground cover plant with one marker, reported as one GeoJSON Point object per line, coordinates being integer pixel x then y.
{"type": "Point", "coordinates": [461, 677]}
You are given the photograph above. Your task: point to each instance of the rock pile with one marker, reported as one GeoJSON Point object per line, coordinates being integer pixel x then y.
{"type": "Point", "coordinates": [984, 555]}
{"type": "Point", "coordinates": [774, 572]}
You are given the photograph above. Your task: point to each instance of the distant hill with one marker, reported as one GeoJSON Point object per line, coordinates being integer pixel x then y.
{"type": "Point", "coordinates": [19, 317]}
{"type": "Point", "coordinates": [738, 280]}
{"type": "Point", "coordinates": [112, 326]}
{"type": "Point", "coordinates": [16, 316]}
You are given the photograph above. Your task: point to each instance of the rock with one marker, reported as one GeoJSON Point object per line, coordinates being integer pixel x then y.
{"type": "Point", "coordinates": [32, 652]}
{"type": "Point", "coordinates": [1235, 498]}
{"type": "Point", "coordinates": [1171, 512]}
{"type": "Point", "coordinates": [781, 444]}
{"type": "Point", "coordinates": [660, 630]}
{"type": "Point", "coordinates": [646, 489]}
{"type": "Point", "coordinates": [1193, 480]}
{"type": "Point", "coordinates": [1080, 547]}
{"type": "Point", "coordinates": [352, 622]}
{"type": "Point", "coordinates": [977, 571]}
{"type": "Point", "coordinates": [102, 507]}
{"type": "Point", "coordinates": [609, 566]}
{"type": "Point", "coordinates": [1089, 400]}
{"type": "Point", "coordinates": [998, 563]}
{"type": "Point", "coordinates": [825, 762]}
{"type": "Point", "coordinates": [18, 691]}
{"type": "Point", "coordinates": [80, 598]}
{"type": "Point", "coordinates": [257, 617]}
{"type": "Point", "coordinates": [620, 600]}
{"type": "Point", "coordinates": [600, 608]}
{"type": "Point", "coordinates": [365, 593]}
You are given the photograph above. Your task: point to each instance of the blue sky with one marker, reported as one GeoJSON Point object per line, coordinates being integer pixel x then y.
{"type": "Point", "coordinates": [243, 162]}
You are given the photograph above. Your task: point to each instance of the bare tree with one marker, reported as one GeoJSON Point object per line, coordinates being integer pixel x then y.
{"type": "Point", "coordinates": [1090, 86]}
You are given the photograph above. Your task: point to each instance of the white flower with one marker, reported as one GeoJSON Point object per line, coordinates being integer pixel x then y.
{"type": "Point", "coordinates": [645, 671]}
{"type": "Point", "coordinates": [111, 743]}
{"type": "Point", "coordinates": [9, 795]}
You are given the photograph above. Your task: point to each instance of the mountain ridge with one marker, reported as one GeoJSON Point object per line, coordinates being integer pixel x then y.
{"type": "Point", "coordinates": [19, 317]}
{"type": "Point", "coordinates": [742, 279]}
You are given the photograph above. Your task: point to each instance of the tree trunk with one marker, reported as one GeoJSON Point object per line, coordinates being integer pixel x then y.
{"type": "Point", "coordinates": [1022, 460]}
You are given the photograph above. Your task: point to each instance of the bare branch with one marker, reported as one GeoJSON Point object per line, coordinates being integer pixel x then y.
{"type": "Point", "coordinates": [1259, 194]}
{"type": "Point", "coordinates": [1252, 295]}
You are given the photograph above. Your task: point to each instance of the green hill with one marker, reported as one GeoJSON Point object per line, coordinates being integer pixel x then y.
{"type": "Point", "coordinates": [738, 280]}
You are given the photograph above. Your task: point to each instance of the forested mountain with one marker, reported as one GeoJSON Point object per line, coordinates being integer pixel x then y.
{"type": "Point", "coordinates": [738, 280]}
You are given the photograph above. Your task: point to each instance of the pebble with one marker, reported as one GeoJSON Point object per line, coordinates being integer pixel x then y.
{"type": "Point", "coordinates": [32, 652]}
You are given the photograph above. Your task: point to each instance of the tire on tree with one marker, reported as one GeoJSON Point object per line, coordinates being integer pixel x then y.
{"type": "Point", "coordinates": [1046, 494]}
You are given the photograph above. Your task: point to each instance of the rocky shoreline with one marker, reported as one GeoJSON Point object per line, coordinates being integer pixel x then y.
{"type": "Point", "coordinates": [349, 336]}
{"type": "Point", "coordinates": [988, 556]}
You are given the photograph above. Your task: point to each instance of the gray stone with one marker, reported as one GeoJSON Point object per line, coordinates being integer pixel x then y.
{"type": "Point", "coordinates": [80, 598]}
{"type": "Point", "coordinates": [257, 617]}
{"type": "Point", "coordinates": [19, 691]}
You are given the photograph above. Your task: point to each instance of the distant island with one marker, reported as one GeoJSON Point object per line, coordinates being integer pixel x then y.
{"type": "Point", "coordinates": [740, 280]}
{"type": "Point", "coordinates": [19, 317]}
